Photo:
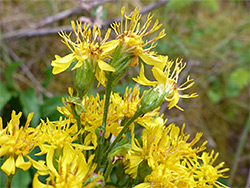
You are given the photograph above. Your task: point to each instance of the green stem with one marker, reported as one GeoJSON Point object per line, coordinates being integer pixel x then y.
{"type": "Point", "coordinates": [104, 122]}
{"type": "Point", "coordinates": [9, 181]}
{"type": "Point", "coordinates": [108, 170]}
{"type": "Point", "coordinates": [124, 130]}
{"type": "Point", "coordinates": [78, 120]}
{"type": "Point", "coordinates": [240, 147]}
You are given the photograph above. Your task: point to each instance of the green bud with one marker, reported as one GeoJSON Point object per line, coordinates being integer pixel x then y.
{"type": "Point", "coordinates": [84, 77]}
{"type": "Point", "coordinates": [151, 100]}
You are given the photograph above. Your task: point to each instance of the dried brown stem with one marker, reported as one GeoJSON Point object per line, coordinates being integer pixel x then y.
{"type": "Point", "coordinates": [28, 33]}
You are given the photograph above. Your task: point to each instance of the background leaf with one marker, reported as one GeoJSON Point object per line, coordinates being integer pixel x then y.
{"type": "Point", "coordinates": [5, 96]}
{"type": "Point", "coordinates": [30, 103]}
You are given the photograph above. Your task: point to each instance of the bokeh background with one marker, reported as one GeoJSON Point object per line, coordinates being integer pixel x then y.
{"type": "Point", "coordinates": [212, 36]}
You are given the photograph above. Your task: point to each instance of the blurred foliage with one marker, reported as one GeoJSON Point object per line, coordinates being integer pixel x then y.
{"type": "Point", "coordinates": [212, 36]}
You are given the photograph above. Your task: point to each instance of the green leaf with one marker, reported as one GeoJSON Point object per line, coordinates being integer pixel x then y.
{"type": "Point", "coordinates": [239, 78]}
{"type": "Point", "coordinates": [21, 179]}
{"type": "Point", "coordinates": [9, 71]}
{"type": "Point", "coordinates": [214, 96]}
{"type": "Point", "coordinates": [49, 107]}
{"type": "Point", "coordinates": [30, 103]}
{"type": "Point", "coordinates": [211, 5]}
{"type": "Point", "coordinates": [2, 174]}
{"type": "Point", "coordinates": [178, 4]}
{"type": "Point", "coordinates": [48, 76]}
{"type": "Point", "coordinates": [5, 95]}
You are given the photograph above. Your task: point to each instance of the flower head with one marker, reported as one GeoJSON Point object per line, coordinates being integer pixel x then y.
{"type": "Point", "coordinates": [167, 80]}
{"type": "Point", "coordinates": [161, 145]}
{"type": "Point", "coordinates": [55, 135]}
{"type": "Point", "coordinates": [70, 169]}
{"type": "Point", "coordinates": [85, 51]}
{"type": "Point", "coordinates": [16, 143]}
{"type": "Point", "coordinates": [206, 174]}
{"type": "Point", "coordinates": [130, 35]}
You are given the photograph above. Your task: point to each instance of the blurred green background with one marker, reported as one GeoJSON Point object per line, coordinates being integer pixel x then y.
{"type": "Point", "coordinates": [212, 36]}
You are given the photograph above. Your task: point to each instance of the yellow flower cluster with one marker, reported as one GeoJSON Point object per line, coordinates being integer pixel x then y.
{"type": "Point", "coordinates": [171, 159]}
{"type": "Point", "coordinates": [93, 138]}
{"type": "Point", "coordinates": [120, 108]}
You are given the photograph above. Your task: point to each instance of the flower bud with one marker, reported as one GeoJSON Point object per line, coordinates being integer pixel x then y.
{"type": "Point", "coordinates": [151, 100]}
{"type": "Point", "coordinates": [84, 76]}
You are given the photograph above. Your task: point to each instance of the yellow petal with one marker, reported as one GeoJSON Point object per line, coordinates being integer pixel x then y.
{"type": "Point", "coordinates": [29, 118]}
{"type": "Point", "coordinates": [104, 66]}
{"type": "Point", "coordinates": [81, 147]}
{"type": "Point", "coordinates": [159, 75]}
{"type": "Point", "coordinates": [1, 123]}
{"type": "Point", "coordinates": [41, 168]}
{"type": "Point", "coordinates": [100, 76]}
{"type": "Point", "coordinates": [61, 64]}
{"type": "Point", "coordinates": [79, 64]}
{"type": "Point", "coordinates": [37, 184]}
{"type": "Point", "coordinates": [20, 163]}
{"type": "Point", "coordinates": [150, 59]}
{"type": "Point", "coordinates": [142, 80]}
{"type": "Point", "coordinates": [164, 60]}
{"type": "Point", "coordinates": [143, 185]}
{"type": "Point", "coordinates": [110, 46]}
{"type": "Point", "coordinates": [49, 160]}
{"type": "Point", "coordinates": [8, 166]}
{"type": "Point", "coordinates": [3, 149]}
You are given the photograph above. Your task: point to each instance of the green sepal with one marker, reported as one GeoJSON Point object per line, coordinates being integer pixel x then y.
{"type": "Point", "coordinates": [77, 103]}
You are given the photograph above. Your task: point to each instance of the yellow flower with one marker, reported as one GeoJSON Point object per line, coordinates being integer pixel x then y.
{"type": "Point", "coordinates": [173, 176]}
{"type": "Point", "coordinates": [86, 51]}
{"type": "Point", "coordinates": [161, 145]}
{"type": "Point", "coordinates": [57, 134]}
{"type": "Point", "coordinates": [130, 36]}
{"type": "Point", "coordinates": [167, 80]}
{"type": "Point", "coordinates": [16, 143]}
{"type": "Point", "coordinates": [70, 170]}
{"type": "Point", "coordinates": [207, 174]}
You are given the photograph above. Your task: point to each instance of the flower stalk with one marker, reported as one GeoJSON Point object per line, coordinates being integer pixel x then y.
{"type": "Point", "coordinates": [9, 181]}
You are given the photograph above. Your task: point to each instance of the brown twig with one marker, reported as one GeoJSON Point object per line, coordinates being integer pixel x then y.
{"type": "Point", "coordinates": [66, 13]}
{"type": "Point", "coordinates": [36, 84]}
{"type": "Point", "coordinates": [28, 33]}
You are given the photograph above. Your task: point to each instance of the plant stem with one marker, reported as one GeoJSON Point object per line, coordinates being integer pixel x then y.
{"type": "Point", "coordinates": [78, 120]}
{"type": "Point", "coordinates": [125, 128]}
{"type": "Point", "coordinates": [9, 180]}
{"type": "Point", "coordinates": [104, 122]}
{"type": "Point", "coordinates": [240, 147]}
{"type": "Point", "coordinates": [108, 170]}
